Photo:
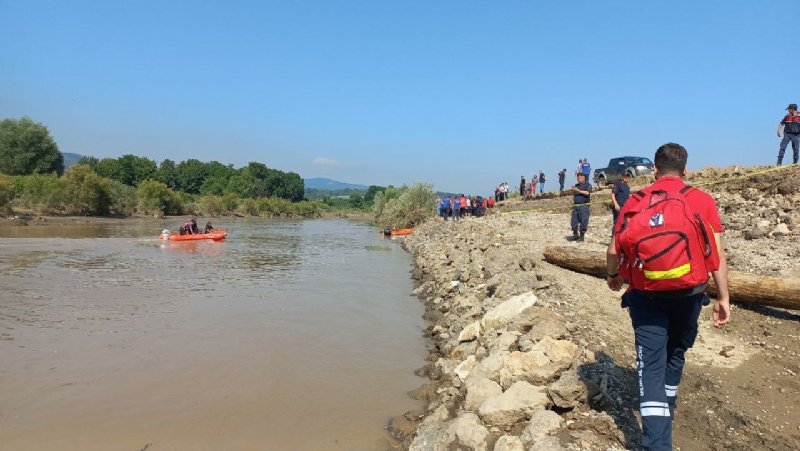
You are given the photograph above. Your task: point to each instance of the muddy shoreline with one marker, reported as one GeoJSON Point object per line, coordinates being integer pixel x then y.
{"type": "Point", "coordinates": [525, 355]}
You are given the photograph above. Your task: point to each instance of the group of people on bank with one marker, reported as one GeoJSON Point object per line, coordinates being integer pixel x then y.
{"type": "Point", "coordinates": [456, 207]}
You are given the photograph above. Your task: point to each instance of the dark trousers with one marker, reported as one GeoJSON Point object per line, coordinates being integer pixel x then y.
{"type": "Point", "coordinates": [664, 330]}
{"type": "Point", "coordinates": [561, 185]}
{"type": "Point", "coordinates": [580, 218]}
{"type": "Point", "coordinates": [794, 138]}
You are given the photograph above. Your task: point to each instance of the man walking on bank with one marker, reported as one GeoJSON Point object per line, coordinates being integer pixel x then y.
{"type": "Point", "coordinates": [667, 282]}
{"type": "Point", "coordinates": [791, 132]}
{"type": "Point", "coordinates": [580, 212]}
{"type": "Point", "coordinates": [562, 175]}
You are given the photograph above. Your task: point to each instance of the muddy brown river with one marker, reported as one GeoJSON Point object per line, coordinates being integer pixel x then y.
{"type": "Point", "coordinates": [290, 335]}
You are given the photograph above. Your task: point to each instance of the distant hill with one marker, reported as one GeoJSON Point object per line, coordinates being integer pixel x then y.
{"type": "Point", "coordinates": [328, 184]}
{"type": "Point", "coordinates": [70, 158]}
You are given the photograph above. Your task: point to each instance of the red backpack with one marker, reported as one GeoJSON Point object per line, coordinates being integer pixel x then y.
{"type": "Point", "coordinates": [663, 245]}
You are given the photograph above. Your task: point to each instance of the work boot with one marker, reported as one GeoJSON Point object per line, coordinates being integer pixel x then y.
{"type": "Point", "coordinates": [580, 238]}
{"type": "Point", "coordinates": [574, 235]}
{"type": "Point", "coordinates": [780, 161]}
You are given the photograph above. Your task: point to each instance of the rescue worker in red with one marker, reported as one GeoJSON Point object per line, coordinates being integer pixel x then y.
{"type": "Point", "coordinates": [790, 126]}
{"type": "Point", "coordinates": [650, 248]}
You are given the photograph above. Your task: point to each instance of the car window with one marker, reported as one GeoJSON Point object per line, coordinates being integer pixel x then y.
{"type": "Point", "coordinates": [641, 161]}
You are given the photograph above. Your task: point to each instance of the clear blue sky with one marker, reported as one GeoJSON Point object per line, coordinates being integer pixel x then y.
{"type": "Point", "coordinates": [463, 94]}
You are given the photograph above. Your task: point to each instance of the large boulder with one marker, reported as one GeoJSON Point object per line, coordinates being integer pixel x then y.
{"type": "Point", "coordinates": [519, 402]}
{"type": "Point", "coordinates": [506, 312]}
{"type": "Point", "coordinates": [479, 389]}
{"type": "Point", "coordinates": [542, 423]}
{"type": "Point", "coordinates": [568, 391]}
{"type": "Point", "coordinates": [471, 332]}
{"type": "Point", "coordinates": [509, 443]}
{"type": "Point", "coordinates": [542, 364]}
{"type": "Point", "coordinates": [464, 432]}
{"type": "Point", "coordinates": [464, 368]}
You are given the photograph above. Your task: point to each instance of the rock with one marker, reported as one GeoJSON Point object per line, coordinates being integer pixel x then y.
{"type": "Point", "coordinates": [520, 401]}
{"type": "Point", "coordinates": [509, 443]}
{"type": "Point", "coordinates": [781, 230]}
{"type": "Point", "coordinates": [755, 233]}
{"type": "Point", "coordinates": [463, 369]}
{"type": "Point", "coordinates": [424, 392]}
{"type": "Point", "coordinates": [505, 342]}
{"type": "Point", "coordinates": [547, 444]}
{"type": "Point", "coordinates": [727, 351]}
{"type": "Point", "coordinates": [541, 424]}
{"type": "Point", "coordinates": [400, 428]}
{"type": "Point", "coordinates": [542, 364]}
{"type": "Point", "coordinates": [506, 312]}
{"type": "Point", "coordinates": [464, 349]}
{"type": "Point", "coordinates": [464, 432]}
{"type": "Point", "coordinates": [471, 332]}
{"type": "Point", "coordinates": [479, 389]}
{"type": "Point", "coordinates": [569, 391]}
{"type": "Point", "coordinates": [490, 366]}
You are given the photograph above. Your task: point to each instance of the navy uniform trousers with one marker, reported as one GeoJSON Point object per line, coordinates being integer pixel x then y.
{"type": "Point", "coordinates": [664, 329]}
{"type": "Point", "coordinates": [580, 218]}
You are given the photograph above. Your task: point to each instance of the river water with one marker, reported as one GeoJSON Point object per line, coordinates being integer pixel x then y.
{"type": "Point", "coordinates": [290, 335]}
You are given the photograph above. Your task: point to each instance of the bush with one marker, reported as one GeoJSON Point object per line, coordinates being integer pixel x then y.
{"type": "Point", "coordinates": [156, 199]}
{"type": "Point", "coordinates": [6, 194]}
{"type": "Point", "coordinates": [123, 198]}
{"type": "Point", "coordinates": [210, 206]}
{"type": "Point", "coordinates": [274, 206]}
{"type": "Point", "coordinates": [405, 207]}
{"type": "Point", "coordinates": [43, 193]}
{"type": "Point", "coordinates": [248, 207]}
{"type": "Point", "coordinates": [306, 209]}
{"type": "Point", "coordinates": [85, 193]}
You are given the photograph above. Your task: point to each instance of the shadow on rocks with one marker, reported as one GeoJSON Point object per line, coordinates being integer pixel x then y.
{"type": "Point", "coordinates": [612, 389]}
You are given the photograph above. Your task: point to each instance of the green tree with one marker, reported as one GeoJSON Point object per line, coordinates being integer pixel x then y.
{"type": "Point", "coordinates": [369, 196]}
{"type": "Point", "coordinates": [136, 169]}
{"type": "Point", "coordinates": [168, 174]}
{"type": "Point", "coordinates": [110, 168]}
{"type": "Point", "coordinates": [356, 200]}
{"type": "Point", "coordinates": [26, 147]}
{"type": "Point", "coordinates": [191, 175]}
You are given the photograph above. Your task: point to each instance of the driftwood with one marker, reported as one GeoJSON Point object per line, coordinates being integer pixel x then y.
{"type": "Point", "coordinates": [744, 287]}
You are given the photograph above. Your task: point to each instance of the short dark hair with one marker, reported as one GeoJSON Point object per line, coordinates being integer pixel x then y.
{"type": "Point", "coordinates": [671, 158]}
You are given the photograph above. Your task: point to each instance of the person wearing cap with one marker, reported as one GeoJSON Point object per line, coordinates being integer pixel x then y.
{"type": "Point", "coordinates": [790, 126]}
{"type": "Point", "coordinates": [580, 211]}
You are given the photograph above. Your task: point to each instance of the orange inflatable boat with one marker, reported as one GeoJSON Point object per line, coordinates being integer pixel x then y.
{"type": "Point", "coordinates": [215, 235]}
{"type": "Point", "coordinates": [398, 232]}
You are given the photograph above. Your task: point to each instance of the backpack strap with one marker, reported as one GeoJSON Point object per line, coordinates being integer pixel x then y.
{"type": "Point", "coordinates": [685, 189]}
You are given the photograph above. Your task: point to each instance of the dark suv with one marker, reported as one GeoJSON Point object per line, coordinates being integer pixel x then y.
{"type": "Point", "coordinates": [617, 167]}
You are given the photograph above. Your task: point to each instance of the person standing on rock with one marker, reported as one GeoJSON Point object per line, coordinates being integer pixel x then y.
{"type": "Point", "coordinates": [522, 186]}
{"type": "Point", "coordinates": [790, 125]}
{"type": "Point", "coordinates": [580, 212]}
{"type": "Point", "coordinates": [664, 318]}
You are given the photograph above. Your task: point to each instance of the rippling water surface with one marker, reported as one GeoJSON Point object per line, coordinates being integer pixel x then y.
{"type": "Point", "coordinates": [290, 335]}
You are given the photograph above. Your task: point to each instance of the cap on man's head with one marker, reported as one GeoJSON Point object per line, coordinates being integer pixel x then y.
{"type": "Point", "coordinates": [792, 106]}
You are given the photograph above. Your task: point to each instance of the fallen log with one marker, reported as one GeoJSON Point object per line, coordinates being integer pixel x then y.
{"type": "Point", "coordinates": [744, 287]}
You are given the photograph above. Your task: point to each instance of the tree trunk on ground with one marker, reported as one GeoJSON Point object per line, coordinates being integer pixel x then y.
{"type": "Point", "coordinates": [744, 287]}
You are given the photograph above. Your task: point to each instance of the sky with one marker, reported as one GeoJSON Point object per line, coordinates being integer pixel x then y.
{"type": "Point", "coordinates": [460, 94]}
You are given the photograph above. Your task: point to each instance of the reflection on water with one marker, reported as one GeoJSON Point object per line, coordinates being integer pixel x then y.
{"type": "Point", "coordinates": [288, 335]}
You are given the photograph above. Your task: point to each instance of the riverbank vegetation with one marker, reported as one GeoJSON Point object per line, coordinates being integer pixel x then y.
{"type": "Point", "coordinates": [33, 179]}
{"type": "Point", "coordinates": [403, 207]}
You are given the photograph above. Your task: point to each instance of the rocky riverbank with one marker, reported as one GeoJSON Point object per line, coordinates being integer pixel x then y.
{"type": "Point", "coordinates": [525, 355]}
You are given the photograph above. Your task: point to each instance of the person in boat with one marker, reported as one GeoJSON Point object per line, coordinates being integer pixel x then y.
{"type": "Point", "coordinates": [189, 228]}
{"type": "Point", "coordinates": [208, 228]}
